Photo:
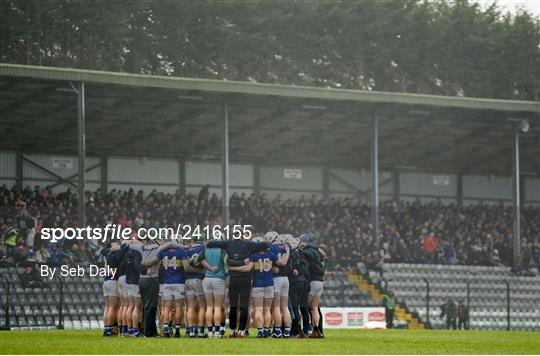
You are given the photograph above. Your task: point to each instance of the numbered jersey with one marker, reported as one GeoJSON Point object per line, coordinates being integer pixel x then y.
{"type": "Point", "coordinates": [192, 256]}
{"type": "Point", "coordinates": [171, 260]}
{"type": "Point", "coordinates": [262, 268]}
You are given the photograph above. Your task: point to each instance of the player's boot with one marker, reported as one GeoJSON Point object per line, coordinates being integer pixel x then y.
{"type": "Point", "coordinates": [315, 334]}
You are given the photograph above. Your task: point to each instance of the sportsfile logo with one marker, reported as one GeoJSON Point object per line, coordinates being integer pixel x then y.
{"type": "Point", "coordinates": [117, 232]}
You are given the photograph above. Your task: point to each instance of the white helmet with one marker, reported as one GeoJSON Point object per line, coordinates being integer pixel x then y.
{"type": "Point", "coordinates": [294, 242]}
{"type": "Point", "coordinates": [258, 239]}
{"type": "Point", "coordinates": [280, 239]}
{"type": "Point", "coordinates": [270, 236]}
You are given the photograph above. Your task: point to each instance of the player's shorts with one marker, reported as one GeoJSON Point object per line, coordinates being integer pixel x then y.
{"type": "Point", "coordinates": [316, 288]}
{"type": "Point", "coordinates": [173, 291]}
{"type": "Point", "coordinates": [265, 292]}
{"type": "Point", "coordinates": [110, 288]}
{"type": "Point", "coordinates": [122, 292]}
{"type": "Point", "coordinates": [133, 290]}
{"type": "Point", "coordinates": [213, 285]}
{"type": "Point", "coordinates": [281, 286]}
{"type": "Point", "coordinates": [194, 288]}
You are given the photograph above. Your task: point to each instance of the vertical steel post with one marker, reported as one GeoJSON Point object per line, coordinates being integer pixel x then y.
{"type": "Point", "coordinates": [81, 113]}
{"type": "Point", "coordinates": [61, 306]}
{"type": "Point", "coordinates": [225, 164]}
{"type": "Point", "coordinates": [507, 304]}
{"type": "Point", "coordinates": [427, 301]}
{"type": "Point", "coordinates": [516, 229]}
{"type": "Point", "coordinates": [467, 323]}
{"type": "Point", "coordinates": [7, 305]}
{"type": "Point", "coordinates": [375, 178]}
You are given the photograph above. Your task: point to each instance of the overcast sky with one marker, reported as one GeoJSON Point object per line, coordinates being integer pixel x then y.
{"type": "Point", "coordinates": [532, 6]}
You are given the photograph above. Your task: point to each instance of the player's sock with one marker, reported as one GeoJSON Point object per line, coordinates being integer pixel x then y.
{"type": "Point", "coordinates": [260, 332]}
{"type": "Point", "coordinates": [130, 330]}
{"type": "Point", "coordinates": [287, 331]}
{"type": "Point", "coordinates": [277, 332]}
{"type": "Point", "coordinates": [222, 328]}
{"type": "Point", "coordinates": [166, 329]}
{"type": "Point", "coordinates": [201, 330]}
{"type": "Point", "coordinates": [266, 332]}
{"type": "Point", "coordinates": [177, 328]}
{"type": "Point", "coordinates": [135, 331]}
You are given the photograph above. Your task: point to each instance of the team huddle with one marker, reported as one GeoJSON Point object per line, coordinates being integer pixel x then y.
{"type": "Point", "coordinates": [273, 283]}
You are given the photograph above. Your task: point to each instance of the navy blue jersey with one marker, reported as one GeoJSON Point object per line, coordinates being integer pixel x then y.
{"type": "Point", "coordinates": [192, 255]}
{"type": "Point", "coordinates": [133, 258]}
{"type": "Point", "coordinates": [124, 247]}
{"type": "Point", "coordinates": [171, 261]}
{"type": "Point", "coordinates": [279, 250]}
{"type": "Point", "coordinates": [262, 268]}
{"type": "Point", "coordinates": [109, 260]}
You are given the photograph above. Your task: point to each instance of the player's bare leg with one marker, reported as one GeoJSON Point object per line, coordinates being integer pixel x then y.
{"type": "Point", "coordinates": [201, 315]}
{"type": "Point", "coordinates": [209, 297]}
{"type": "Point", "coordinates": [191, 315]}
{"type": "Point", "coordinates": [135, 314]}
{"type": "Point", "coordinates": [178, 308]}
{"type": "Point", "coordinates": [286, 319]}
{"type": "Point", "coordinates": [165, 316]}
{"type": "Point", "coordinates": [112, 310]}
{"type": "Point", "coordinates": [267, 315]}
{"type": "Point", "coordinates": [276, 315]}
{"type": "Point", "coordinates": [218, 309]}
{"type": "Point", "coordinates": [314, 310]}
{"type": "Point", "coordinates": [258, 306]}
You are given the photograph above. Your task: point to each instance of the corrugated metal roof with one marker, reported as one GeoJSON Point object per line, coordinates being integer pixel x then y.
{"type": "Point", "coordinates": [222, 86]}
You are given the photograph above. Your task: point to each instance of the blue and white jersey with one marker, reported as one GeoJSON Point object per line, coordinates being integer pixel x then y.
{"type": "Point", "coordinates": [171, 260]}
{"type": "Point", "coordinates": [279, 250]}
{"type": "Point", "coordinates": [262, 268]}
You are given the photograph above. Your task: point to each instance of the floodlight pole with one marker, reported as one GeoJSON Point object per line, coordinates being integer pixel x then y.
{"type": "Point", "coordinates": [81, 113]}
{"type": "Point", "coordinates": [516, 229]}
{"type": "Point", "coordinates": [375, 178]}
{"type": "Point", "coordinates": [225, 164]}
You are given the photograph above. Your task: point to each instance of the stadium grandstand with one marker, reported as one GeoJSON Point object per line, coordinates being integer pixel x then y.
{"type": "Point", "coordinates": [434, 200]}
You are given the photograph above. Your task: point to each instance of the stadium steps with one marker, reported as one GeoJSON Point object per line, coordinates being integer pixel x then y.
{"type": "Point", "coordinates": [401, 313]}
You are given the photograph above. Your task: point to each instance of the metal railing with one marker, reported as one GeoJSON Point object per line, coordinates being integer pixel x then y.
{"type": "Point", "coordinates": [9, 287]}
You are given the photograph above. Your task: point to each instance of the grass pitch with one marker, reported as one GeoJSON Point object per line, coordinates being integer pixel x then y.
{"type": "Point", "coordinates": [336, 342]}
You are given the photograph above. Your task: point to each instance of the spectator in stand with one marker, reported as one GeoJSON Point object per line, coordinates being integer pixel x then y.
{"type": "Point", "coordinates": [463, 316]}
{"type": "Point", "coordinates": [42, 255]}
{"type": "Point", "coordinates": [449, 309]}
{"type": "Point", "coordinates": [412, 232]}
{"type": "Point", "coordinates": [30, 278]}
{"type": "Point", "coordinates": [429, 247]}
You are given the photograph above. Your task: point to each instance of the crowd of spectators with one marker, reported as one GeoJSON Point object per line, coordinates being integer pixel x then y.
{"type": "Point", "coordinates": [410, 232]}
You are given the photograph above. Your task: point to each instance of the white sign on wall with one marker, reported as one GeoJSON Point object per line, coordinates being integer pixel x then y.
{"type": "Point", "coordinates": [441, 180]}
{"type": "Point", "coordinates": [291, 173]}
{"type": "Point", "coordinates": [354, 318]}
{"type": "Point", "coordinates": [63, 163]}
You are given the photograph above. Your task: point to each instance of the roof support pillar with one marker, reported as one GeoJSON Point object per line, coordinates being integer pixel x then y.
{"type": "Point", "coordinates": [326, 182]}
{"type": "Point", "coordinates": [257, 179]}
{"type": "Point", "coordinates": [460, 189]}
{"type": "Point", "coordinates": [19, 170]}
{"type": "Point", "coordinates": [375, 176]}
{"type": "Point", "coordinates": [81, 139]}
{"type": "Point", "coordinates": [395, 185]}
{"type": "Point", "coordinates": [182, 175]}
{"type": "Point", "coordinates": [225, 164]}
{"type": "Point", "coordinates": [104, 170]}
{"type": "Point", "coordinates": [516, 228]}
